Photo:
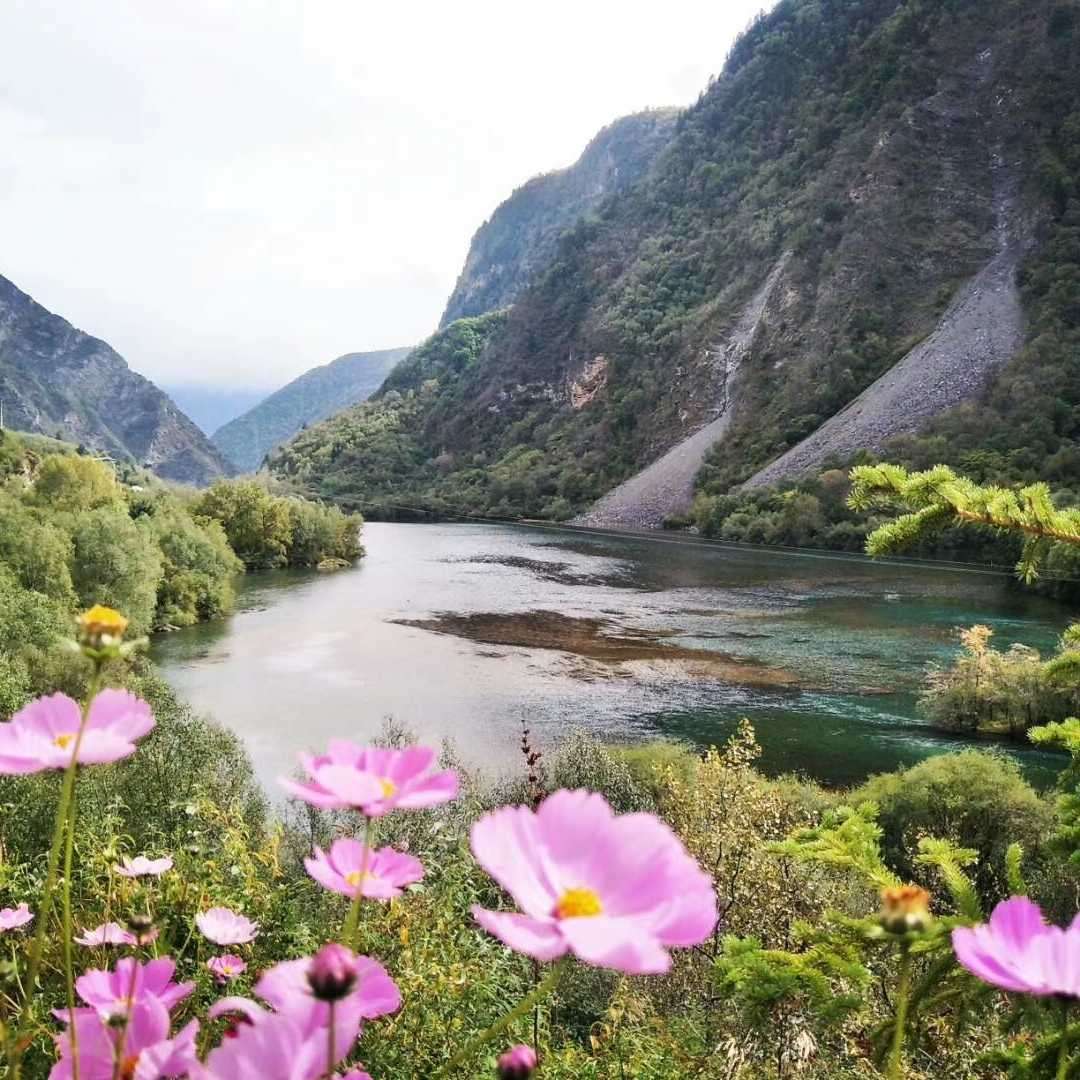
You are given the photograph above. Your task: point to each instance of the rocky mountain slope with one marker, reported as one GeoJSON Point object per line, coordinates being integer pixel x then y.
{"type": "Point", "coordinates": [316, 394]}
{"type": "Point", "coordinates": [895, 181]}
{"type": "Point", "coordinates": [519, 238]}
{"type": "Point", "coordinates": [56, 380]}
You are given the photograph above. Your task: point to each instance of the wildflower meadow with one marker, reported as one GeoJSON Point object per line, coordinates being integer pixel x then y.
{"type": "Point", "coordinates": [405, 922]}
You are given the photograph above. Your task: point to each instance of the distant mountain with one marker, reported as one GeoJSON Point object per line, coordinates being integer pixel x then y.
{"type": "Point", "coordinates": [520, 236]}
{"type": "Point", "coordinates": [315, 395]}
{"type": "Point", "coordinates": [213, 406]}
{"type": "Point", "coordinates": [56, 380]}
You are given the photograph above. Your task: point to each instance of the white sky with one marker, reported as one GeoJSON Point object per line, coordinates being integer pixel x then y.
{"type": "Point", "coordinates": [232, 192]}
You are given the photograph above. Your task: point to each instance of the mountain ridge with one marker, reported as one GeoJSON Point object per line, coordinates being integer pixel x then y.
{"type": "Point", "coordinates": [58, 380]}
{"type": "Point", "coordinates": [520, 237]}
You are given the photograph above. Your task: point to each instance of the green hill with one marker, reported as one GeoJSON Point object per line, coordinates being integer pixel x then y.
{"type": "Point", "coordinates": [316, 394]}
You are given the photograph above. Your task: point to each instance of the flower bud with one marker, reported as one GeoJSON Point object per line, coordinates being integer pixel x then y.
{"type": "Point", "coordinates": [333, 972]}
{"type": "Point", "coordinates": [905, 910]}
{"type": "Point", "coordinates": [142, 926]}
{"type": "Point", "coordinates": [101, 627]}
{"type": "Point", "coordinates": [517, 1064]}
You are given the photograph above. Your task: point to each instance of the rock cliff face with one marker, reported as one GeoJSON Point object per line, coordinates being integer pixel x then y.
{"type": "Point", "coordinates": [313, 396]}
{"type": "Point", "coordinates": [56, 380]}
{"type": "Point", "coordinates": [519, 238]}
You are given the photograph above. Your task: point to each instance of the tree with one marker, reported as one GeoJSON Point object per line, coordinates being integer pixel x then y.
{"type": "Point", "coordinates": [256, 523]}
{"type": "Point", "coordinates": [116, 562]}
{"type": "Point", "coordinates": [71, 482]}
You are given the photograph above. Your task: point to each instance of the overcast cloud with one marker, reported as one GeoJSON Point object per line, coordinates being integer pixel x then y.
{"type": "Point", "coordinates": [230, 193]}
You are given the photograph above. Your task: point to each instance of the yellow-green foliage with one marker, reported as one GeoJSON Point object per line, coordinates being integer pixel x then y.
{"type": "Point", "coordinates": [71, 535]}
{"type": "Point", "coordinates": [73, 482]}
{"type": "Point", "coordinates": [939, 497]}
{"type": "Point", "coordinates": [1001, 692]}
{"type": "Point", "coordinates": [268, 530]}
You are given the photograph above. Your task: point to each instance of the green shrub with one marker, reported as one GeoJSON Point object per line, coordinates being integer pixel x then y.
{"type": "Point", "coordinates": [975, 798]}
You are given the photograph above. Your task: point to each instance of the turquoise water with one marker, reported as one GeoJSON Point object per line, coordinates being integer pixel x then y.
{"type": "Point", "coordinates": [308, 656]}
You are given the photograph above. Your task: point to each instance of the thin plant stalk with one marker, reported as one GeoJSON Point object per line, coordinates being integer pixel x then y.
{"type": "Point", "coordinates": [522, 1009]}
{"type": "Point", "coordinates": [1063, 1046]}
{"type": "Point", "coordinates": [67, 790]}
{"type": "Point", "coordinates": [903, 994]}
{"type": "Point", "coordinates": [69, 964]}
{"type": "Point", "coordinates": [121, 1043]}
{"type": "Point", "coordinates": [331, 1044]}
{"type": "Point", "coordinates": [350, 933]}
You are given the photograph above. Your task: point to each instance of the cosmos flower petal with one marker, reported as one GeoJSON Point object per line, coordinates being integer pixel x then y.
{"type": "Point", "coordinates": [120, 712]}
{"type": "Point", "coordinates": [615, 943]}
{"type": "Point", "coordinates": [223, 926]}
{"type": "Point", "coordinates": [377, 993]}
{"type": "Point", "coordinates": [616, 891]}
{"type": "Point", "coordinates": [440, 788]}
{"type": "Point", "coordinates": [242, 1005]}
{"type": "Point", "coordinates": [506, 844]}
{"type": "Point", "coordinates": [533, 937]}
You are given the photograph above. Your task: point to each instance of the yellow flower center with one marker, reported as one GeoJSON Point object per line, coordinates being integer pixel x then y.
{"type": "Point", "coordinates": [578, 904]}
{"type": "Point", "coordinates": [355, 877]}
{"type": "Point", "coordinates": [63, 741]}
{"type": "Point", "coordinates": [389, 788]}
{"type": "Point", "coordinates": [102, 620]}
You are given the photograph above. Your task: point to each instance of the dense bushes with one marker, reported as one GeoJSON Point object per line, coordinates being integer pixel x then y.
{"type": "Point", "coordinates": [72, 534]}
{"type": "Point", "coordinates": [268, 531]}
{"type": "Point", "coordinates": [999, 692]}
{"type": "Point", "coordinates": [977, 800]}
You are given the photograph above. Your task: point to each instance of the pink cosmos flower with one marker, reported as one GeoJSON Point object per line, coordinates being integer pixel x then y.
{"type": "Point", "coordinates": [342, 870]}
{"type": "Point", "coordinates": [617, 892]}
{"type": "Point", "coordinates": [141, 866]}
{"type": "Point", "coordinates": [292, 1042]}
{"type": "Point", "coordinates": [42, 736]}
{"type": "Point", "coordinates": [108, 934]}
{"type": "Point", "coordinates": [13, 918]}
{"type": "Point", "coordinates": [225, 927]}
{"type": "Point", "coordinates": [226, 968]}
{"type": "Point", "coordinates": [374, 780]}
{"type": "Point", "coordinates": [149, 1052]}
{"type": "Point", "coordinates": [518, 1063]}
{"type": "Point", "coordinates": [107, 992]}
{"type": "Point", "coordinates": [1018, 951]}
{"type": "Point", "coordinates": [276, 1048]}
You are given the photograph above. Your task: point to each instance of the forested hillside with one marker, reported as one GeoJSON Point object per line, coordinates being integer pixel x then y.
{"type": "Point", "coordinates": [908, 173]}
{"type": "Point", "coordinates": [316, 394]}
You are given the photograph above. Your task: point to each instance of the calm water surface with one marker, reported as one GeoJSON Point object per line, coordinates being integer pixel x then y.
{"type": "Point", "coordinates": [309, 656]}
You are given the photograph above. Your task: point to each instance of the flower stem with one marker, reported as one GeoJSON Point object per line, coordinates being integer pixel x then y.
{"type": "Point", "coordinates": [474, 1046]}
{"type": "Point", "coordinates": [1063, 1046]}
{"type": "Point", "coordinates": [121, 1043]}
{"type": "Point", "coordinates": [69, 965]}
{"type": "Point", "coordinates": [331, 1044]}
{"type": "Point", "coordinates": [903, 993]}
{"type": "Point", "coordinates": [351, 930]}
{"type": "Point", "coordinates": [66, 792]}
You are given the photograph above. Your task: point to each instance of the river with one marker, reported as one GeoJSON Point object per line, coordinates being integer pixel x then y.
{"type": "Point", "coordinates": [463, 632]}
